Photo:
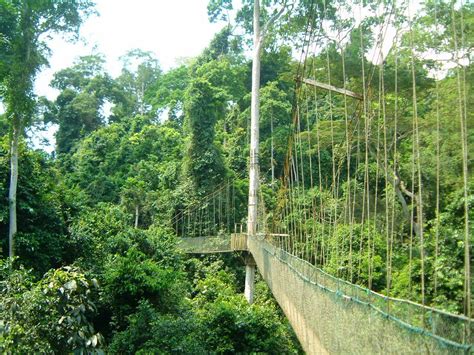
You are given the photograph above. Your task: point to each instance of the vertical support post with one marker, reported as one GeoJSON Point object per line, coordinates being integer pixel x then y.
{"type": "Point", "coordinates": [249, 278]}
{"type": "Point", "coordinates": [254, 149]}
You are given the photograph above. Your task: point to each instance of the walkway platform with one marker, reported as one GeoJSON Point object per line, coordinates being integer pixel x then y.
{"type": "Point", "coordinates": [207, 245]}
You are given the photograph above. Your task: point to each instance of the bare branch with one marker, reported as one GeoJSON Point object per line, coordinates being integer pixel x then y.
{"type": "Point", "coordinates": [272, 19]}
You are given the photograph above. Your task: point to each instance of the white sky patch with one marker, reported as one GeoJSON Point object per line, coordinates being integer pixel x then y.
{"type": "Point", "coordinates": [357, 13]}
{"type": "Point", "coordinates": [106, 110]}
{"type": "Point", "coordinates": [164, 115]}
{"type": "Point", "coordinates": [43, 138]}
{"type": "Point", "coordinates": [169, 29]}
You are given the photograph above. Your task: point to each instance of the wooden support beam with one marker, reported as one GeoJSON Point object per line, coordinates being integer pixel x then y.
{"type": "Point", "coordinates": [332, 88]}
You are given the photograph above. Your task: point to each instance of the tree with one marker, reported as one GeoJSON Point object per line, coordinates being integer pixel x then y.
{"type": "Point", "coordinates": [42, 231]}
{"type": "Point", "coordinates": [170, 92]}
{"type": "Point", "coordinates": [259, 37]}
{"type": "Point", "coordinates": [203, 163]}
{"type": "Point", "coordinates": [140, 76]}
{"type": "Point", "coordinates": [215, 9]}
{"type": "Point", "coordinates": [85, 89]}
{"type": "Point", "coordinates": [28, 53]}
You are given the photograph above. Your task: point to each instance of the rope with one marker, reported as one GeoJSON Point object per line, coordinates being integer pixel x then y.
{"type": "Point", "coordinates": [461, 91]}
{"type": "Point", "coordinates": [418, 160]}
{"type": "Point", "coordinates": [438, 168]}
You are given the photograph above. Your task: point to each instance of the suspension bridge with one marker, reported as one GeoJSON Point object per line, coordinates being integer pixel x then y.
{"type": "Point", "coordinates": [328, 313]}
{"type": "Point", "coordinates": [364, 181]}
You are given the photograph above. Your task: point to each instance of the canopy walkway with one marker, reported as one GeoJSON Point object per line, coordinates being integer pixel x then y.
{"type": "Point", "coordinates": [356, 214]}
{"type": "Point", "coordinates": [212, 245]}
{"type": "Point", "coordinates": [329, 314]}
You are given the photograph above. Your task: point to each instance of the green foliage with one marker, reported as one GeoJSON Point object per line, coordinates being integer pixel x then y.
{"type": "Point", "coordinates": [275, 112]}
{"type": "Point", "coordinates": [275, 67]}
{"type": "Point", "coordinates": [98, 232]}
{"type": "Point", "coordinates": [230, 324]}
{"type": "Point", "coordinates": [220, 47]}
{"type": "Point", "coordinates": [7, 28]}
{"type": "Point", "coordinates": [203, 163]}
{"type": "Point", "coordinates": [217, 320]}
{"type": "Point", "coordinates": [51, 315]}
{"type": "Point", "coordinates": [128, 162]}
{"type": "Point", "coordinates": [132, 264]}
{"type": "Point", "coordinates": [106, 230]}
{"type": "Point", "coordinates": [134, 276]}
{"type": "Point", "coordinates": [169, 93]}
{"type": "Point", "coordinates": [149, 331]}
{"type": "Point", "coordinates": [85, 88]}
{"type": "Point", "coordinates": [139, 78]}
{"type": "Point", "coordinates": [41, 241]}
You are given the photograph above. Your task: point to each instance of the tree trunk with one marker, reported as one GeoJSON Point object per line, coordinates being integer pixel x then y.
{"type": "Point", "coordinates": [13, 186]}
{"type": "Point", "coordinates": [258, 37]}
{"type": "Point", "coordinates": [136, 216]}
{"type": "Point", "coordinates": [272, 152]}
{"type": "Point", "coordinates": [254, 147]}
{"type": "Point", "coordinates": [142, 99]}
{"type": "Point", "coordinates": [254, 124]}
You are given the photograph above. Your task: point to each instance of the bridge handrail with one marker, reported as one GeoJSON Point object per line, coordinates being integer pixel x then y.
{"type": "Point", "coordinates": [281, 255]}
{"type": "Point", "coordinates": [367, 290]}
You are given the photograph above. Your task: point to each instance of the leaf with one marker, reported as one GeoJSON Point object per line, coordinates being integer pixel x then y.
{"type": "Point", "coordinates": [94, 340]}
{"type": "Point", "coordinates": [95, 283]}
{"type": "Point", "coordinates": [71, 285]}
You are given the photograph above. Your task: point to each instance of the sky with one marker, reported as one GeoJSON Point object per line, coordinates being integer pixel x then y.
{"type": "Point", "coordinates": [171, 29]}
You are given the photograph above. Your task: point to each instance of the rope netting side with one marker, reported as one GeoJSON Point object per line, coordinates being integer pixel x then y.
{"type": "Point", "coordinates": [217, 214]}
{"type": "Point", "coordinates": [346, 318]}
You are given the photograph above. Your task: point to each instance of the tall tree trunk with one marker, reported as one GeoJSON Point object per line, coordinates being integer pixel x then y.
{"type": "Point", "coordinates": [258, 37]}
{"type": "Point", "coordinates": [254, 123]}
{"type": "Point", "coordinates": [17, 115]}
{"type": "Point", "coordinates": [13, 186]}
{"type": "Point", "coordinates": [272, 152]}
{"type": "Point", "coordinates": [136, 216]}
{"type": "Point", "coordinates": [254, 147]}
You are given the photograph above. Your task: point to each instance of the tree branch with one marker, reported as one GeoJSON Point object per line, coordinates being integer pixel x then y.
{"type": "Point", "coordinates": [400, 190]}
{"type": "Point", "coordinates": [272, 20]}
{"type": "Point", "coordinates": [399, 184]}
